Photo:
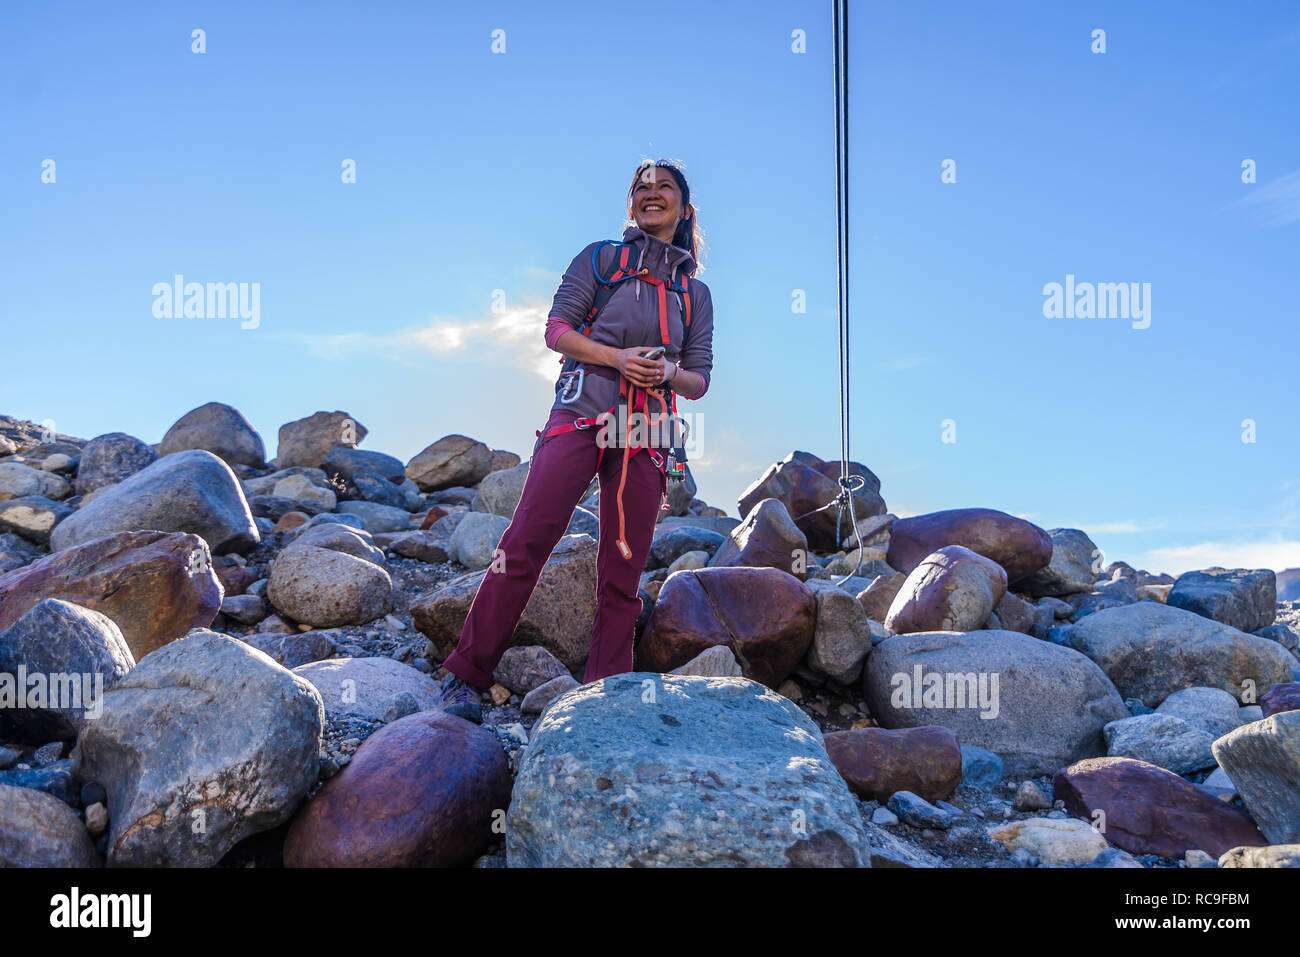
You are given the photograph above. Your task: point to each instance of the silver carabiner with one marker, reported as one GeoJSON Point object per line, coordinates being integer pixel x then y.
{"type": "Point", "coordinates": [574, 385]}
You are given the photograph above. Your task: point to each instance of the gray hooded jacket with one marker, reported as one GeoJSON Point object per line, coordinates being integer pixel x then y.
{"type": "Point", "coordinates": [631, 316]}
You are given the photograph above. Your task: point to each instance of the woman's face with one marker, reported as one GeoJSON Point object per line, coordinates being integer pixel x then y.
{"type": "Point", "coordinates": [657, 202]}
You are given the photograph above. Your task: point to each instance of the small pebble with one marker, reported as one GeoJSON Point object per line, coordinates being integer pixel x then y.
{"type": "Point", "coordinates": [395, 623]}
{"type": "Point", "coordinates": [96, 819]}
{"type": "Point", "coordinates": [883, 815]}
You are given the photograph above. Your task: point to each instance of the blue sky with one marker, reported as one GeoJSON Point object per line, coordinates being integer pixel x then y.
{"type": "Point", "coordinates": [415, 298]}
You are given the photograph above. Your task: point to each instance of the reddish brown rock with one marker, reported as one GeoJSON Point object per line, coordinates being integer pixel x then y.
{"type": "Point", "coordinates": [876, 762]}
{"type": "Point", "coordinates": [234, 579]}
{"type": "Point", "coordinates": [1281, 697]}
{"type": "Point", "coordinates": [764, 615]}
{"type": "Point", "coordinates": [767, 538]}
{"type": "Point", "coordinates": [429, 517]}
{"type": "Point", "coordinates": [423, 791]}
{"type": "Point", "coordinates": [1148, 810]}
{"type": "Point", "coordinates": [290, 520]}
{"type": "Point", "coordinates": [803, 488]}
{"type": "Point", "coordinates": [155, 586]}
{"type": "Point", "coordinates": [954, 589]}
{"type": "Point", "coordinates": [1020, 547]}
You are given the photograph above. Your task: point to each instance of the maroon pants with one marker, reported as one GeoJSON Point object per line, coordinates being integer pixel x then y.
{"type": "Point", "coordinates": [560, 471]}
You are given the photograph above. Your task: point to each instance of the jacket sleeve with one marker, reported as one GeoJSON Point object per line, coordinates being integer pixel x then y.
{"type": "Point", "coordinates": [577, 292]}
{"type": "Point", "coordinates": [697, 354]}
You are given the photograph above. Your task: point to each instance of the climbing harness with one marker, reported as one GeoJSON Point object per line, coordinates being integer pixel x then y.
{"type": "Point", "coordinates": [631, 399]}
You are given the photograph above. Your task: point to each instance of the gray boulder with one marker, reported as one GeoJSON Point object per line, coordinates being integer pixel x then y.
{"type": "Point", "coordinates": [1212, 710]}
{"type": "Point", "coordinates": [645, 769]}
{"type": "Point", "coordinates": [110, 458]}
{"type": "Point", "coordinates": [203, 743]}
{"type": "Point", "coordinates": [349, 463]}
{"type": "Point", "coordinates": [1263, 760]}
{"type": "Point", "coordinates": [842, 636]}
{"type": "Point", "coordinates": [1074, 566]}
{"type": "Point", "coordinates": [33, 517]}
{"type": "Point", "coordinates": [1150, 650]}
{"type": "Point", "coordinates": [219, 429]}
{"type": "Point", "coordinates": [38, 830]}
{"type": "Point", "coordinates": [1240, 598]}
{"type": "Point", "coordinates": [377, 518]}
{"type": "Point", "coordinates": [191, 491]}
{"type": "Point", "coordinates": [475, 539]}
{"type": "Point", "coordinates": [363, 686]}
{"type": "Point", "coordinates": [73, 654]}
{"type": "Point", "coordinates": [340, 538]}
{"type": "Point", "coordinates": [22, 481]}
{"type": "Point", "coordinates": [1160, 739]}
{"type": "Point", "coordinates": [500, 491]}
{"type": "Point", "coordinates": [1037, 705]}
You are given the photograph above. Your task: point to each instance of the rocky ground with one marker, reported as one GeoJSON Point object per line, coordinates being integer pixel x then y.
{"type": "Point", "coordinates": [1095, 692]}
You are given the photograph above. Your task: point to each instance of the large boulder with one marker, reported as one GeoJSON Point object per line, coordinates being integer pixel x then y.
{"type": "Point", "coordinates": [500, 491]}
{"type": "Point", "coordinates": [665, 770]}
{"type": "Point", "coordinates": [877, 762]}
{"type": "Point", "coordinates": [191, 491]}
{"type": "Point", "coordinates": [954, 589]}
{"type": "Point", "coordinates": [155, 586]}
{"type": "Point", "coordinates": [110, 458]}
{"type": "Point", "coordinates": [1075, 566]}
{"type": "Point", "coordinates": [1020, 547]}
{"type": "Point", "coordinates": [73, 653]}
{"type": "Point", "coordinates": [306, 442]}
{"type": "Point", "coordinates": [39, 830]}
{"type": "Point", "coordinates": [802, 486]}
{"type": "Point", "coordinates": [767, 538]}
{"type": "Point", "coordinates": [452, 460]}
{"type": "Point", "coordinates": [1241, 598]}
{"type": "Point", "coordinates": [1144, 809]}
{"type": "Point", "coordinates": [1263, 760]}
{"type": "Point", "coordinates": [327, 588]}
{"type": "Point", "coordinates": [1150, 650]}
{"type": "Point", "coordinates": [1164, 740]}
{"type": "Point", "coordinates": [1037, 705]}
{"type": "Point", "coordinates": [203, 743]}
{"type": "Point", "coordinates": [475, 540]}
{"type": "Point", "coordinates": [841, 634]}
{"type": "Point", "coordinates": [33, 517]}
{"type": "Point", "coordinates": [364, 686]}
{"type": "Point", "coordinates": [1213, 710]}
{"type": "Point", "coordinates": [340, 538]}
{"type": "Point", "coordinates": [673, 542]}
{"type": "Point", "coordinates": [22, 481]}
{"type": "Point", "coordinates": [423, 791]}
{"type": "Point", "coordinates": [559, 614]}
{"type": "Point", "coordinates": [348, 463]}
{"type": "Point", "coordinates": [219, 429]}
{"type": "Point", "coordinates": [767, 618]}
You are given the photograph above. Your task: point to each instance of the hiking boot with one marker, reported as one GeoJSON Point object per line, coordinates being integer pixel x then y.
{"type": "Point", "coordinates": [460, 699]}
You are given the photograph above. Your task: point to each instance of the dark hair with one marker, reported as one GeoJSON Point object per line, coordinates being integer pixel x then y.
{"type": "Point", "coordinates": [688, 236]}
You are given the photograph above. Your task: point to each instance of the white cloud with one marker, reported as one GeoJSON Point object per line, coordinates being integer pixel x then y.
{"type": "Point", "coordinates": [1175, 560]}
{"type": "Point", "coordinates": [1273, 204]}
{"type": "Point", "coordinates": [514, 336]}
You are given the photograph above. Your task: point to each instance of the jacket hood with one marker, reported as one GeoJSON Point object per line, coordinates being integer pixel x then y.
{"type": "Point", "coordinates": [653, 249]}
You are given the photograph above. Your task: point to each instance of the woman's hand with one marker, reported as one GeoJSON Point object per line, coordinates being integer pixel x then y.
{"type": "Point", "coordinates": [643, 373]}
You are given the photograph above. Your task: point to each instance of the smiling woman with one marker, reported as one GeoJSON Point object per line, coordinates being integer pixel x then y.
{"type": "Point", "coordinates": [621, 351]}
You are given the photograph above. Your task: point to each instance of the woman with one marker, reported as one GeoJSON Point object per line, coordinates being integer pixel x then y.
{"type": "Point", "coordinates": [579, 441]}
